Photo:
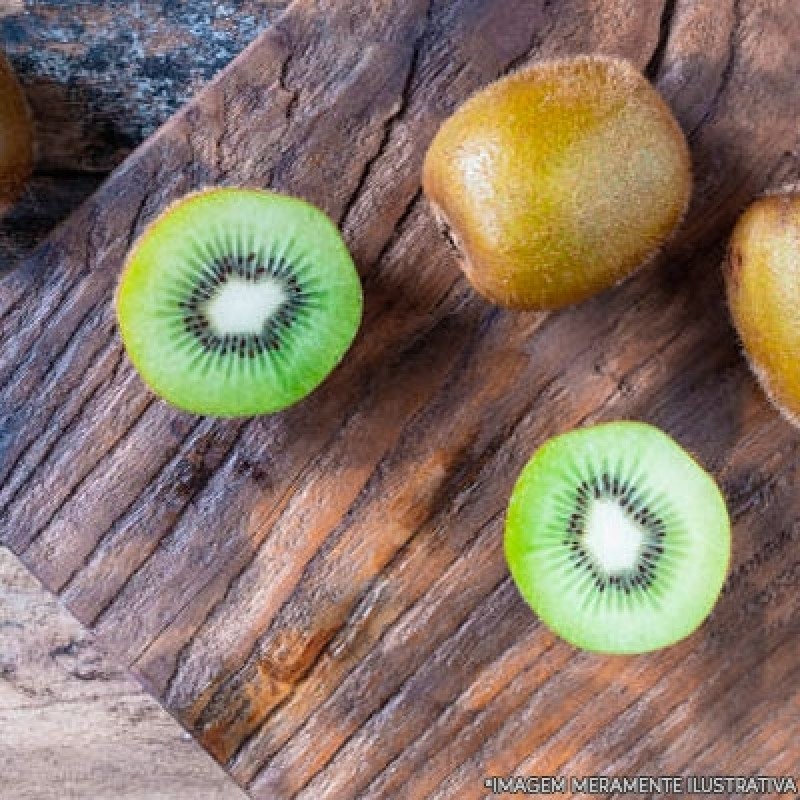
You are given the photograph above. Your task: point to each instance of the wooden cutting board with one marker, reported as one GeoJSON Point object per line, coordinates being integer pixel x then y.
{"type": "Point", "coordinates": [320, 596]}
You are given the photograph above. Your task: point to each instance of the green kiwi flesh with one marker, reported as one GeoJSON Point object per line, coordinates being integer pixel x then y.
{"type": "Point", "coordinates": [617, 538]}
{"type": "Point", "coordinates": [238, 302]}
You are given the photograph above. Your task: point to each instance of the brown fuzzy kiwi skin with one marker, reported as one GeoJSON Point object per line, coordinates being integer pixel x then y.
{"type": "Point", "coordinates": [16, 137]}
{"type": "Point", "coordinates": [762, 281]}
{"type": "Point", "coordinates": [547, 215]}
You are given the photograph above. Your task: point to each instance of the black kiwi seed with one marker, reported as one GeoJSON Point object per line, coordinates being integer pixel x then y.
{"type": "Point", "coordinates": [249, 268]}
{"type": "Point", "coordinates": [641, 575]}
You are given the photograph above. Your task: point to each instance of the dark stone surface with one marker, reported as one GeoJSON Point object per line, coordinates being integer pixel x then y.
{"type": "Point", "coordinates": [102, 76]}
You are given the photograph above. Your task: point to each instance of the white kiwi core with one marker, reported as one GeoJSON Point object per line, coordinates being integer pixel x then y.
{"type": "Point", "coordinates": [241, 307]}
{"type": "Point", "coordinates": [612, 538]}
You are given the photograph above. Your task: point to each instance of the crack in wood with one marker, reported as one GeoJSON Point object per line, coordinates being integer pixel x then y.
{"type": "Point", "coordinates": [283, 78]}
{"type": "Point", "coordinates": [228, 455]}
{"type": "Point", "coordinates": [391, 121]}
{"type": "Point", "coordinates": [654, 66]}
{"type": "Point", "coordinates": [74, 490]}
{"type": "Point", "coordinates": [725, 75]}
{"type": "Point", "coordinates": [136, 219]}
{"type": "Point", "coordinates": [8, 478]}
{"type": "Point", "coordinates": [399, 227]}
{"type": "Point", "coordinates": [136, 503]}
{"type": "Point", "coordinates": [92, 316]}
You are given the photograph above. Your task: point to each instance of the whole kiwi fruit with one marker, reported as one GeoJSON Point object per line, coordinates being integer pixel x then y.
{"type": "Point", "coordinates": [559, 180]}
{"type": "Point", "coordinates": [16, 137]}
{"type": "Point", "coordinates": [762, 276]}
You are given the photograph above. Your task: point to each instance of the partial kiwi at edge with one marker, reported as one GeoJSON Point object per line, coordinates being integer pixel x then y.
{"type": "Point", "coordinates": [16, 137]}
{"type": "Point", "coordinates": [762, 276]}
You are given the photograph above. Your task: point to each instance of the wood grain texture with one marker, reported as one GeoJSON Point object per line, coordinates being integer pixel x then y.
{"type": "Point", "coordinates": [101, 76]}
{"type": "Point", "coordinates": [72, 725]}
{"type": "Point", "coordinates": [321, 595]}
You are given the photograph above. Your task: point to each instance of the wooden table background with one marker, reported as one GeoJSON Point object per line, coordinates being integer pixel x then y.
{"type": "Point", "coordinates": [320, 595]}
{"type": "Point", "coordinates": [73, 725]}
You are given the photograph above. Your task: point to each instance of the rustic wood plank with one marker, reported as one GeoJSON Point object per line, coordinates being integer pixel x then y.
{"type": "Point", "coordinates": [102, 76]}
{"type": "Point", "coordinates": [74, 725]}
{"type": "Point", "coordinates": [321, 595]}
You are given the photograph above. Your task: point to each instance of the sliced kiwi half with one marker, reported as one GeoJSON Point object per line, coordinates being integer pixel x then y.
{"type": "Point", "coordinates": [617, 538]}
{"type": "Point", "coordinates": [238, 302]}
